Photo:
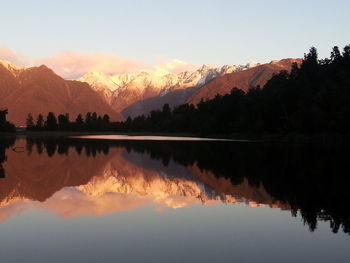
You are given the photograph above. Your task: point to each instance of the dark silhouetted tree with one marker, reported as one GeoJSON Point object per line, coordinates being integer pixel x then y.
{"type": "Point", "coordinates": [51, 122]}
{"type": "Point", "coordinates": [88, 118]}
{"type": "Point", "coordinates": [30, 122]}
{"type": "Point", "coordinates": [79, 119]}
{"type": "Point", "coordinates": [335, 54]}
{"type": "Point", "coordinates": [5, 126]}
{"type": "Point", "coordinates": [63, 122]}
{"type": "Point", "coordinates": [105, 118]}
{"type": "Point", "coordinates": [39, 122]}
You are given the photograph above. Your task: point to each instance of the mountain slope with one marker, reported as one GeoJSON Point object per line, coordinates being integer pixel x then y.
{"type": "Point", "coordinates": [145, 106]}
{"type": "Point", "coordinates": [251, 77]}
{"type": "Point", "coordinates": [39, 90]}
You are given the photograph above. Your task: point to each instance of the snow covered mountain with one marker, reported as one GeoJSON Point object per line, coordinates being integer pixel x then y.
{"type": "Point", "coordinates": [121, 91]}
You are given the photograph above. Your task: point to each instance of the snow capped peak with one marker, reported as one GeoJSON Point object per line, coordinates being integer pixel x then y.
{"type": "Point", "coordinates": [252, 64]}
{"type": "Point", "coordinates": [11, 67]}
{"type": "Point", "coordinates": [6, 63]}
{"type": "Point", "coordinates": [98, 80]}
{"type": "Point", "coordinates": [158, 71]}
{"type": "Point", "coordinates": [94, 74]}
{"type": "Point", "coordinates": [204, 68]}
{"type": "Point", "coordinates": [122, 79]}
{"type": "Point", "coordinates": [144, 73]}
{"type": "Point", "coordinates": [97, 74]}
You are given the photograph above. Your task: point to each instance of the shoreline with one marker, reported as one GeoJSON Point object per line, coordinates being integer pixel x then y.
{"type": "Point", "coordinates": [322, 139]}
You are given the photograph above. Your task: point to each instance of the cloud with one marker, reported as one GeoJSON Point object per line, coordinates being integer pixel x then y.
{"type": "Point", "coordinates": [15, 58]}
{"type": "Point", "coordinates": [73, 65]}
{"type": "Point", "coordinates": [175, 66]}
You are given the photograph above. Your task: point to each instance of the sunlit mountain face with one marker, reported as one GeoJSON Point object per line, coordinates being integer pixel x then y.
{"type": "Point", "coordinates": [76, 177]}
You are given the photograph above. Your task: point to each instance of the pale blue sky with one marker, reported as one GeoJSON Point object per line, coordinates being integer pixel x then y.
{"type": "Point", "coordinates": [216, 32]}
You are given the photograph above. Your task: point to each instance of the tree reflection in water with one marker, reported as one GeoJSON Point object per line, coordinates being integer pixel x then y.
{"type": "Point", "coordinates": [306, 179]}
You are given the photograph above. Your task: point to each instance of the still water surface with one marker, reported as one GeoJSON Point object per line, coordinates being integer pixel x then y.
{"type": "Point", "coordinates": [150, 138]}
{"type": "Point", "coordinates": [93, 200]}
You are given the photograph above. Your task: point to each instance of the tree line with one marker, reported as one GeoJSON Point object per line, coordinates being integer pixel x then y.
{"type": "Point", "coordinates": [91, 122]}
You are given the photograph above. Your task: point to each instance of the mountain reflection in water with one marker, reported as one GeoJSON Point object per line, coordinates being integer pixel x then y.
{"type": "Point", "coordinates": [74, 177]}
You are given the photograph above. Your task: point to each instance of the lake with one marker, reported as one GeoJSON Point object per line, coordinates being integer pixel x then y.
{"type": "Point", "coordinates": [171, 200]}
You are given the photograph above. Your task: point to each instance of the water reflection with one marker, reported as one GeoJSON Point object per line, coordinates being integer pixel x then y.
{"type": "Point", "coordinates": [74, 177]}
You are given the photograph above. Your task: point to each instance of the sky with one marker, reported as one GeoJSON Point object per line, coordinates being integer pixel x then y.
{"type": "Point", "coordinates": [123, 36]}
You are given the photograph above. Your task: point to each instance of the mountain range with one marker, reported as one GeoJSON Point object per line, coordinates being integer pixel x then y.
{"type": "Point", "coordinates": [37, 90]}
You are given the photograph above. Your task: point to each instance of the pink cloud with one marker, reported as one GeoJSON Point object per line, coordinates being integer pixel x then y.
{"type": "Point", "coordinates": [175, 66]}
{"type": "Point", "coordinates": [15, 58]}
{"type": "Point", "coordinates": [72, 65]}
